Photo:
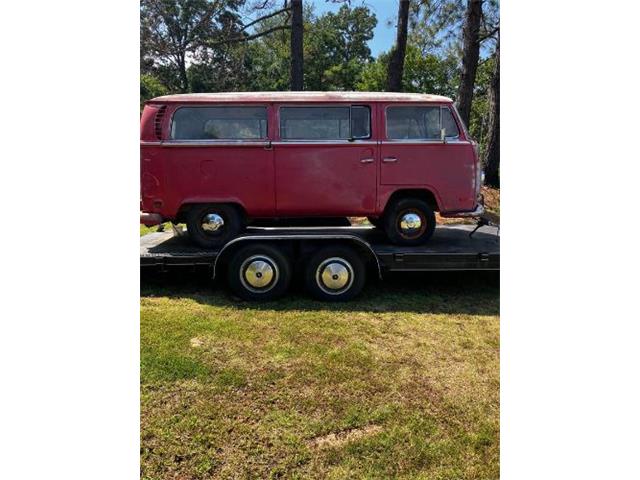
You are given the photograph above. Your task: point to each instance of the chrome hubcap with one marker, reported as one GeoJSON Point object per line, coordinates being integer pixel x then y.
{"type": "Point", "coordinates": [212, 222]}
{"type": "Point", "coordinates": [259, 273]}
{"type": "Point", "coordinates": [334, 275]}
{"type": "Point", "coordinates": [410, 223]}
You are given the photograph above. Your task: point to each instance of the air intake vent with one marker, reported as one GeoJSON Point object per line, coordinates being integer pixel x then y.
{"type": "Point", "coordinates": [158, 122]}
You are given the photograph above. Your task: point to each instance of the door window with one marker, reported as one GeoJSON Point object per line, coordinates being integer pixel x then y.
{"type": "Point", "coordinates": [449, 124]}
{"type": "Point", "coordinates": [419, 123]}
{"type": "Point", "coordinates": [219, 123]}
{"type": "Point", "coordinates": [325, 123]}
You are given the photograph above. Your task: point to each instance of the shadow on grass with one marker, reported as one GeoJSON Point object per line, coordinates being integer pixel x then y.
{"type": "Point", "coordinates": [471, 293]}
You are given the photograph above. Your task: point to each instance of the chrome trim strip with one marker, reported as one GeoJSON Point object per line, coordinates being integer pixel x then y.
{"type": "Point", "coordinates": [214, 143]}
{"type": "Point", "coordinates": [325, 142]}
{"type": "Point", "coordinates": [239, 143]}
{"type": "Point", "coordinates": [453, 141]}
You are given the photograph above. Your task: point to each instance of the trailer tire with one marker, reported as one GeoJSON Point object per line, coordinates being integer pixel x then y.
{"type": "Point", "coordinates": [335, 274]}
{"type": "Point", "coordinates": [212, 226]}
{"type": "Point", "coordinates": [409, 221]}
{"type": "Point", "coordinates": [259, 272]}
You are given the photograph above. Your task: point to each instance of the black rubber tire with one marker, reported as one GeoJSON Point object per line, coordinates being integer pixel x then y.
{"type": "Point", "coordinates": [409, 205]}
{"type": "Point", "coordinates": [269, 254]}
{"type": "Point", "coordinates": [344, 254]}
{"type": "Point", "coordinates": [234, 223]}
{"type": "Point", "coordinates": [376, 222]}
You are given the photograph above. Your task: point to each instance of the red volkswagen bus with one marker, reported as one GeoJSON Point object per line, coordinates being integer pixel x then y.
{"type": "Point", "coordinates": [218, 161]}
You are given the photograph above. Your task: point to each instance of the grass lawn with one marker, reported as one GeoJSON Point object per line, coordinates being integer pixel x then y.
{"type": "Point", "coordinates": [144, 229]}
{"type": "Point", "coordinates": [402, 383]}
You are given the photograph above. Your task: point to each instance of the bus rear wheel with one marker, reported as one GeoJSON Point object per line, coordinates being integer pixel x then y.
{"type": "Point", "coordinates": [212, 226]}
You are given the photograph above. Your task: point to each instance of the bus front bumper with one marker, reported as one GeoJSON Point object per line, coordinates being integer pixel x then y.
{"type": "Point", "coordinates": [477, 212]}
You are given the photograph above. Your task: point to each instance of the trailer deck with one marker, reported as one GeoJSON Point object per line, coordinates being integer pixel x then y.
{"type": "Point", "coordinates": [450, 248]}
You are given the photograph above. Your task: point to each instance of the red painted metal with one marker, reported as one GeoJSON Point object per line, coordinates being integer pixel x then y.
{"type": "Point", "coordinates": [150, 219]}
{"type": "Point", "coordinates": [271, 178]}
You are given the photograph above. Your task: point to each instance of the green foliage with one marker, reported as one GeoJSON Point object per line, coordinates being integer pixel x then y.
{"type": "Point", "coordinates": [173, 31]}
{"type": "Point", "coordinates": [480, 106]}
{"type": "Point", "coordinates": [230, 70]}
{"type": "Point", "coordinates": [422, 73]}
{"type": "Point", "coordinates": [430, 73]}
{"type": "Point", "coordinates": [268, 59]}
{"type": "Point", "coordinates": [151, 87]}
{"type": "Point", "coordinates": [374, 75]}
{"type": "Point", "coordinates": [336, 49]}
{"type": "Point", "coordinates": [435, 25]}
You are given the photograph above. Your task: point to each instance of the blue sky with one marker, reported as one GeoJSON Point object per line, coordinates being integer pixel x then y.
{"type": "Point", "coordinates": [384, 35]}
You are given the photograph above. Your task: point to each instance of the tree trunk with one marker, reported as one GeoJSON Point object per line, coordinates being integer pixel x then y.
{"type": "Point", "coordinates": [470, 55]}
{"type": "Point", "coordinates": [396, 62]}
{"type": "Point", "coordinates": [184, 80]}
{"type": "Point", "coordinates": [491, 161]}
{"type": "Point", "coordinates": [297, 76]}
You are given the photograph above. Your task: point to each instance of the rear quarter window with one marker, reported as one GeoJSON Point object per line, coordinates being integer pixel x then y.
{"type": "Point", "coordinates": [219, 123]}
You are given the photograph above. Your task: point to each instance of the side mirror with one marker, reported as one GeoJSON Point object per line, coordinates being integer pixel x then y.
{"type": "Point", "coordinates": [443, 135]}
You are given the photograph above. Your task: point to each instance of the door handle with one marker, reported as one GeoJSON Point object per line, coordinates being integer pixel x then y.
{"type": "Point", "coordinates": [367, 160]}
{"type": "Point", "coordinates": [389, 159]}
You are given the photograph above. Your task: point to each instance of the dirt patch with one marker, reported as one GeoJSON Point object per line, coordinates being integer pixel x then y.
{"type": "Point", "coordinates": [491, 199]}
{"type": "Point", "coordinates": [359, 221]}
{"type": "Point", "coordinates": [345, 436]}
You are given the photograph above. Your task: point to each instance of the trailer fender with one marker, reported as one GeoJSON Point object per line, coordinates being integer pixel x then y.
{"type": "Point", "coordinates": [359, 242]}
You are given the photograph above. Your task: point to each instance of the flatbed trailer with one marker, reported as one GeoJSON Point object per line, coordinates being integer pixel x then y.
{"type": "Point", "coordinates": [333, 261]}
